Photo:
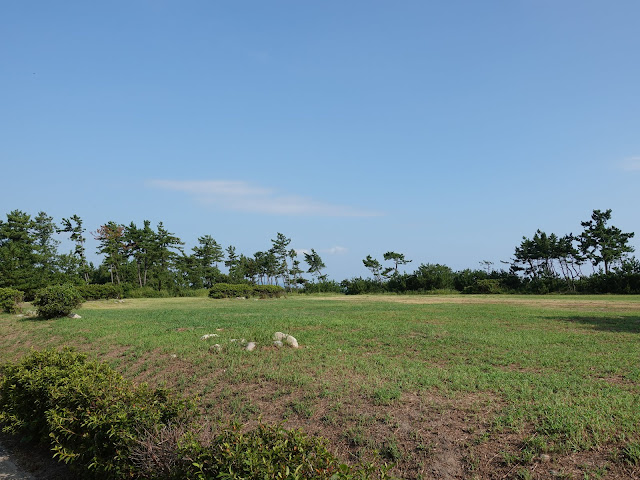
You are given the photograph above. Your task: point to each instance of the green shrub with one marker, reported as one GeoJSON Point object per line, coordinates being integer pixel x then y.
{"type": "Point", "coordinates": [88, 413]}
{"type": "Point", "coordinates": [487, 286]}
{"type": "Point", "coordinates": [230, 290]}
{"type": "Point", "coordinates": [145, 292]}
{"type": "Point", "coordinates": [57, 301]}
{"type": "Point", "coordinates": [99, 292]}
{"type": "Point", "coordinates": [265, 452]}
{"type": "Point", "coordinates": [10, 300]}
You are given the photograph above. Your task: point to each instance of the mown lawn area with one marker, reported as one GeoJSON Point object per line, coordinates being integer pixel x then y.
{"type": "Point", "coordinates": [441, 386]}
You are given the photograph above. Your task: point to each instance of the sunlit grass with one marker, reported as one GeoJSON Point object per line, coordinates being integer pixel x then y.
{"type": "Point", "coordinates": [565, 369]}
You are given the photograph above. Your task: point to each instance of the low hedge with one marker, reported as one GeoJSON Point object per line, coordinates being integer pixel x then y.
{"type": "Point", "coordinates": [10, 300]}
{"type": "Point", "coordinates": [229, 290]}
{"type": "Point", "coordinates": [109, 428]}
{"type": "Point", "coordinates": [99, 292]}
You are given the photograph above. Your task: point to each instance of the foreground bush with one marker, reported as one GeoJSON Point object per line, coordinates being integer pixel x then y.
{"type": "Point", "coordinates": [110, 428]}
{"type": "Point", "coordinates": [10, 300]}
{"type": "Point", "coordinates": [230, 290]}
{"type": "Point", "coordinates": [57, 301]}
{"type": "Point", "coordinates": [87, 412]}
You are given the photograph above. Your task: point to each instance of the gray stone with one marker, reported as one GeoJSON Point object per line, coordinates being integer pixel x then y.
{"type": "Point", "coordinates": [291, 341]}
{"type": "Point", "coordinates": [251, 346]}
{"type": "Point", "coordinates": [279, 336]}
{"type": "Point", "coordinates": [74, 315]}
{"type": "Point", "coordinates": [217, 348]}
{"type": "Point", "coordinates": [277, 343]}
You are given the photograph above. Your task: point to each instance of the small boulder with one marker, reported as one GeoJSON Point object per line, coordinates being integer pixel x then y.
{"type": "Point", "coordinates": [208, 335]}
{"type": "Point", "coordinates": [251, 346]}
{"type": "Point", "coordinates": [291, 341]}
{"type": "Point", "coordinates": [74, 315]}
{"type": "Point", "coordinates": [279, 336]}
{"type": "Point", "coordinates": [277, 343]}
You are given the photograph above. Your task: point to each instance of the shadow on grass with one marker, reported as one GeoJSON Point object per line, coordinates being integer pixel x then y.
{"type": "Point", "coordinates": [625, 324]}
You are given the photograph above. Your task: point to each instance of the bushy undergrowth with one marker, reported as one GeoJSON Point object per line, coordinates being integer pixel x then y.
{"type": "Point", "coordinates": [229, 290]}
{"type": "Point", "coordinates": [57, 301]}
{"type": "Point", "coordinates": [100, 292]}
{"type": "Point", "coordinates": [10, 300]}
{"type": "Point", "coordinates": [109, 428]}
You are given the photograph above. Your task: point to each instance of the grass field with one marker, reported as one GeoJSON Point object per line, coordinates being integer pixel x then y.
{"type": "Point", "coordinates": [441, 386]}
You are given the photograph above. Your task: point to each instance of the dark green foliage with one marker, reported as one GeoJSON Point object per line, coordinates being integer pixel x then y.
{"type": "Point", "coordinates": [227, 290]}
{"type": "Point", "coordinates": [323, 286]}
{"type": "Point", "coordinates": [360, 286]}
{"type": "Point", "coordinates": [86, 411]}
{"type": "Point", "coordinates": [431, 277]}
{"type": "Point", "coordinates": [57, 301]}
{"type": "Point", "coordinates": [10, 300]}
{"type": "Point", "coordinates": [100, 292]}
{"type": "Point", "coordinates": [601, 243]}
{"type": "Point", "coordinates": [269, 452]}
{"type": "Point", "coordinates": [486, 286]}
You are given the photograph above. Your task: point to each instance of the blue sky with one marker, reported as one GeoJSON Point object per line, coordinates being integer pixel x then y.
{"type": "Point", "coordinates": [442, 130]}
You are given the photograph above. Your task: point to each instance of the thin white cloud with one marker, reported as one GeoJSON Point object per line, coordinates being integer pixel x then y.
{"type": "Point", "coordinates": [243, 197]}
{"type": "Point", "coordinates": [337, 250]}
{"type": "Point", "coordinates": [631, 164]}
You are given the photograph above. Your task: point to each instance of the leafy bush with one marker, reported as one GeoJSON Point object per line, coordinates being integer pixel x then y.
{"type": "Point", "coordinates": [87, 412]}
{"type": "Point", "coordinates": [230, 290]}
{"type": "Point", "coordinates": [10, 300]}
{"type": "Point", "coordinates": [145, 292]}
{"type": "Point", "coordinates": [487, 286]}
{"type": "Point", "coordinates": [265, 452]}
{"type": "Point", "coordinates": [56, 301]}
{"type": "Point", "coordinates": [100, 292]}
{"type": "Point", "coordinates": [326, 286]}
{"type": "Point", "coordinates": [360, 286]}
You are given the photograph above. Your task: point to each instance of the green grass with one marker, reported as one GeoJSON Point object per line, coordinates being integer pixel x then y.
{"type": "Point", "coordinates": [561, 374]}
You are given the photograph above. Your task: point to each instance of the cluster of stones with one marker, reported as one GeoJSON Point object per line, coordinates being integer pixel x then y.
{"type": "Point", "coordinates": [279, 340]}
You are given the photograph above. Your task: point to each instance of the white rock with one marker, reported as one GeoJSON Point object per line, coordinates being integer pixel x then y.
{"type": "Point", "coordinates": [277, 343]}
{"type": "Point", "coordinates": [279, 336]}
{"type": "Point", "coordinates": [173, 355]}
{"type": "Point", "coordinates": [209, 335]}
{"type": "Point", "coordinates": [291, 341]}
{"type": "Point", "coordinates": [74, 315]}
{"type": "Point", "coordinates": [251, 346]}
{"type": "Point", "coordinates": [215, 348]}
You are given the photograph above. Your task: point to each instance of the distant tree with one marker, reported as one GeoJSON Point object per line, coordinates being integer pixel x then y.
{"type": "Point", "coordinates": [112, 246]}
{"type": "Point", "coordinates": [279, 249]}
{"type": "Point", "coordinates": [207, 255]}
{"type": "Point", "coordinates": [46, 246]}
{"type": "Point", "coordinates": [374, 266]}
{"type": "Point", "coordinates": [166, 250]}
{"type": "Point", "coordinates": [603, 244]}
{"type": "Point", "coordinates": [18, 253]}
{"type": "Point", "coordinates": [397, 259]}
{"type": "Point", "coordinates": [487, 265]}
{"type": "Point", "coordinates": [315, 265]}
{"type": "Point", "coordinates": [140, 246]}
{"type": "Point", "coordinates": [73, 226]}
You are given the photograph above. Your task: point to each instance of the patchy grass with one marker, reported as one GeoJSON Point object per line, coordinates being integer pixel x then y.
{"type": "Point", "coordinates": [441, 386]}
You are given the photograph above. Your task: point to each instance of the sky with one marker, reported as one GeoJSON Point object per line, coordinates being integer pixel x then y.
{"type": "Point", "coordinates": [445, 131]}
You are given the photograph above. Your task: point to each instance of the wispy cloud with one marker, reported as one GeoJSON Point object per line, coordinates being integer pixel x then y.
{"type": "Point", "coordinates": [337, 250]}
{"type": "Point", "coordinates": [243, 197]}
{"type": "Point", "coordinates": [631, 164]}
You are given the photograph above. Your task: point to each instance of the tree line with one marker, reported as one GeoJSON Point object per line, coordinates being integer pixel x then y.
{"type": "Point", "coordinates": [543, 263]}
{"type": "Point", "coordinates": [154, 259]}
{"type": "Point", "coordinates": [141, 257]}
